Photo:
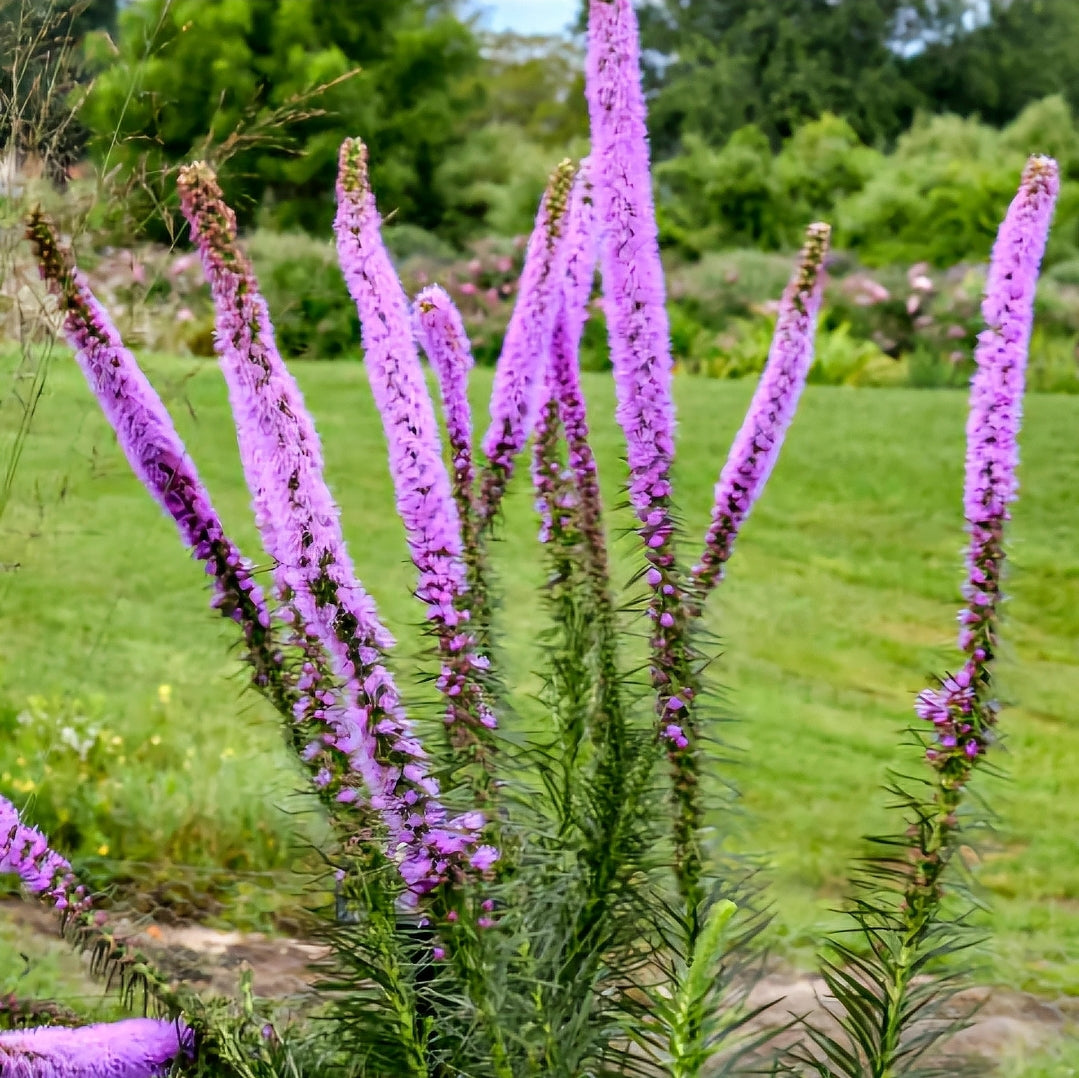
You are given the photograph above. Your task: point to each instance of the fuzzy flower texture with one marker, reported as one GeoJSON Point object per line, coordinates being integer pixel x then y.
{"type": "Point", "coordinates": [149, 440]}
{"type": "Point", "coordinates": [365, 736]}
{"type": "Point", "coordinates": [135, 1048]}
{"type": "Point", "coordinates": [960, 708]}
{"type": "Point", "coordinates": [25, 852]}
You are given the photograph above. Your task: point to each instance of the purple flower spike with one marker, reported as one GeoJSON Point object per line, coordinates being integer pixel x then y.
{"type": "Point", "coordinates": [420, 481]}
{"type": "Point", "coordinates": [25, 852]}
{"type": "Point", "coordinates": [440, 331]}
{"type": "Point", "coordinates": [996, 393]}
{"type": "Point", "coordinates": [563, 383]}
{"type": "Point", "coordinates": [132, 1048]}
{"type": "Point", "coordinates": [639, 336]}
{"type": "Point", "coordinates": [152, 446]}
{"type": "Point", "coordinates": [760, 439]}
{"type": "Point", "coordinates": [636, 312]}
{"type": "Point", "coordinates": [521, 366]}
{"type": "Point", "coordinates": [960, 707]}
{"type": "Point", "coordinates": [424, 500]}
{"type": "Point", "coordinates": [300, 523]}
{"type": "Point", "coordinates": [630, 263]}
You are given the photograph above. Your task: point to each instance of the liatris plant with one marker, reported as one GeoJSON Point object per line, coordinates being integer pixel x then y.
{"type": "Point", "coordinates": [891, 999]}
{"type": "Point", "coordinates": [516, 903]}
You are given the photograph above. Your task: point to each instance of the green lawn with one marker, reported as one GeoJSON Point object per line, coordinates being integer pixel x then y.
{"type": "Point", "coordinates": [840, 601]}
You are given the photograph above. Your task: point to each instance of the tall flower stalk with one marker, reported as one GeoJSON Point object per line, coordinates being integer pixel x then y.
{"type": "Point", "coordinates": [520, 371]}
{"type": "Point", "coordinates": [157, 454]}
{"type": "Point", "coordinates": [300, 523]}
{"type": "Point", "coordinates": [563, 383]}
{"type": "Point", "coordinates": [882, 995]}
{"type": "Point", "coordinates": [639, 335]}
{"type": "Point", "coordinates": [421, 483]}
{"type": "Point", "coordinates": [441, 332]}
{"type": "Point", "coordinates": [758, 443]}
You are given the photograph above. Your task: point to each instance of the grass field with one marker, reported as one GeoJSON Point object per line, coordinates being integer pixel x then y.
{"type": "Point", "coordinates": [840, 601]}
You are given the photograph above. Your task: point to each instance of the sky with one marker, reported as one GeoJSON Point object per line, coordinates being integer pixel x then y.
{"type": "Point", "coordinates": [529, 16]}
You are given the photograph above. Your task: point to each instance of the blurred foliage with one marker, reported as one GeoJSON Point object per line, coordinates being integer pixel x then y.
{"type": "Point", "coordinates": [716, 65]}
{"type": "Point", "coordinates": [939, 196]}
{"type": "Point", "coordinates": [42, 73]}
{"type": "Point", "coordinates": [280, 84]}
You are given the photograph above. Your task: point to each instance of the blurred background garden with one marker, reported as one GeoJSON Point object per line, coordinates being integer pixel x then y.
{"type": "Point", "coordinates": [904, 124]}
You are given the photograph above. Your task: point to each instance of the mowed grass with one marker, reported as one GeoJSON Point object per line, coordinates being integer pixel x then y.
{"type": "Point", "coordinates": [839, 603]}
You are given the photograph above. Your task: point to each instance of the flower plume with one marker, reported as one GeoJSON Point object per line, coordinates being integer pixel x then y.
{"type": "Point", "coordinates": [133, 1048]}
{"type": "Point", "coordinates": [959, 708]}
{"type": "Point", "coordinates": [153, 448]}
{"type": "Point", "coordinates": [300, 522]}
{"type": "Point", "coordinates": [760, 439]}
{"type": "Point", "coordinates": [523, 361]}
{"type": "Point", "coordinates": [441, 332]}
{"type": "Point", "coordinates": [422, 486]}
{"type": "Point", "coordinates": [25, 852]}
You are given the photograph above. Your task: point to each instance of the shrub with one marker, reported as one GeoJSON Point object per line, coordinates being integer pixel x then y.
{"type": "Point", "coordinates": [315, 318]}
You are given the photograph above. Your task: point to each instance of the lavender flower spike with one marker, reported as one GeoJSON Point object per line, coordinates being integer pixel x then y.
{"type": "Point", "coordinates": [420, 480]}
{"type": "Point", "coordinates": [440, 331]}
{"type": "Point", "coordinates": [422, 486]}
{"type": "Point", "coordinates": [132, 1048]}
{"type": "Point", "coordinates": [300, 523]}
{"type": "Point", "coordinates": [152, 446]}
{"type": "Point", "coordinates": [564, 375]}
{"type": "Point", "coordinates": [760, 439]}
{"type": "Point", "coordinates": [519, 374]}
{"type": "Point", "coordinates": [25, 852]}
{"type": "Point", "coordinates": [959, 710]}
{"type": "Point", "coordinates": [632, 274]}
{"type": "Point", "coordinates": [639, 336]}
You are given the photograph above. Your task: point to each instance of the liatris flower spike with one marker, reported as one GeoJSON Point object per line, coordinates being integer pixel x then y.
{"type": "Point", "coordinates": [563, 382]}
{"type": "Point", "coordinates": [639, 335]}
{"type": "Point", "coordinates": [961, 713]}
{"type": "Point", "coordinates": [152, 446]}
{"type": "Point", "coordinates": [421, 483]}
{"type": "Point", "coordinates": [760, 439]}
{"type": "Point", "coordinates": [300, 523]}
{"type": "Point", "coordinates": [902, 929]}
{"type": "Point", "coordinates": [632, 274]}
{"type": "Point", "coordinates": [523, 361]}
{"type": "Point", "coordinates": [441, 332]}
{"type": "Point", "coordinates": [25, 852]}
{"type": "Point", "coordinates": [134, 1048]}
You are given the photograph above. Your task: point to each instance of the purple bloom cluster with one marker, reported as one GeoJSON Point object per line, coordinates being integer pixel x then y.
{"type": "Point", "coordinates": [364, 723]}
{"type": "Point", "coordinates": [520, 370]}
{"type": "Point", "coordinates": [422, 486]}
{"type": "Point", "coordinates": [632, 273]}
{"type": "Point", "coordinates": [25, 852]}
{"type": "Point", "coordinates": [563, 382]}
{"type": "Point", "coordinates": [960, 713]}
{"type": "Point", "coordinates": [440, 330]}
{"type": "Point", "coordinates": [639, 336]}
{"type": "Point", "coordinates": [152, 446]}
{"type": "Point", "coordinates": [133, 1048]}
{"type": "Point", "coordinates": [420, 481]}
{"type": "Point", "coordinates": [760, 439]}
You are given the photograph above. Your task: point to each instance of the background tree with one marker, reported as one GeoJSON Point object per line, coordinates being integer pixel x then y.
{"type": "Point", "coordinates": [717, 65]}
{"type": "Point", "coordinates": [994, 61]}
{"type": "Point", "coordinates": [391, 73]}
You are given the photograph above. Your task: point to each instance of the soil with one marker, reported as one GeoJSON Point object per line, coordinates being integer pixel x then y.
{"type": "Point", "coordinates": [210, 961]}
